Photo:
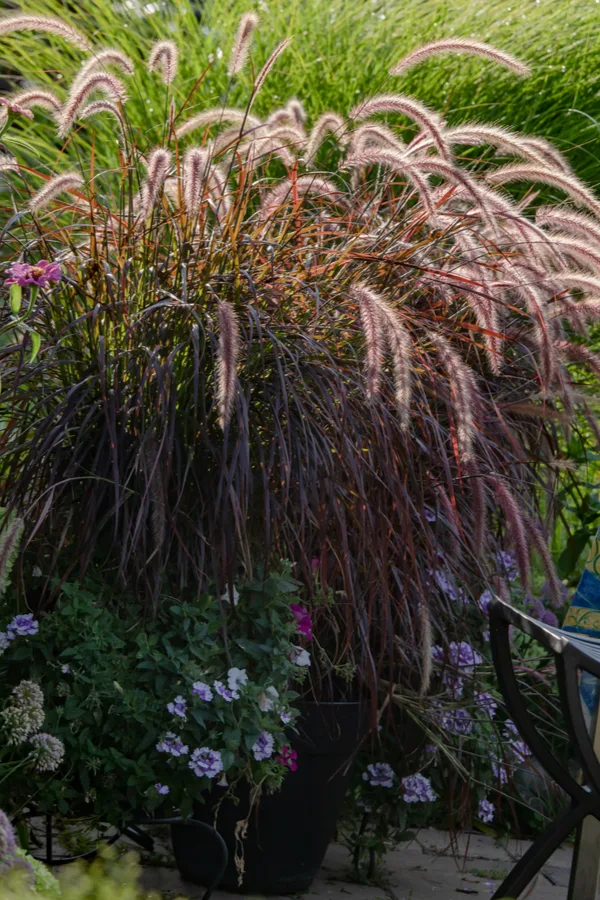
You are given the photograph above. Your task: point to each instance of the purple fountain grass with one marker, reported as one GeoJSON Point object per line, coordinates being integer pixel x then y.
{"type": "Point", "coordinates": [372, 326]}
{"type": "Point", "coordinates": [104, 106]}
{"type": "Point", "coordinates": [379, 135]}
{"type": "Point", "coordinates": [460, 45]}
{"type": "Point", "coordinates": [567, 183]}
{"type": "Point", "coordinates": [157, 169]}
{"type": "Point", "coordinates": [398, 103]}
{"type": "Point", "coordinates": [163, 58]}
{"type": "Point", "coordinates": [502, 138]}
{"type": "Point", "coordinates": [305, 185]}
{"type": "Point", "coordinates": [260, 78]}
{"type": "Point", "coordinates": [328, 123]}
{"type": "Point", "coordinates": [241, 44]}
{"type": "Point", "coordinates": [218, 116]}
{"type": "Point", "coordinates": [80, 92]}
{"type": "Point", "coordinates": [229, 340]}
{"type": "Point", "coordinates": [196, 166]}
{"type": "Point", "coordinates": [464, 391]}
{"type": "Point", "coordinates": [32, 97]}
{"type": "Point", "coordinates": [516, 519]}
{"type": "Point", "coordinates": [102, 59]}
{"type": "Point", "coordinates": [46, 25]}
{"type": "Point", "coordinates": [556, 218]}
{"type": "Point", "coordinates": [68, 181]}
{"type": "Point", "coordinates": [296, 110]}
{"type": "Point", "coordinates": [550, 153]}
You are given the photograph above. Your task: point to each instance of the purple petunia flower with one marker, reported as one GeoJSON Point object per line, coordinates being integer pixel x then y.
{"type": "Point", "coordinates": [303, 620]}
{"type": "Point", "coordinates": [484, 601]}
{"type": "Point", "coordinates": [202, 690]}
{"type": "Point", "coordinates": [286, 717]}
{"type": "Point", "coordinates": [263, 747]}
{"type": "Point", "coordinates": [486, 810]}
{"type": "Point", "coordinates": [23, 625]}
{"type": "Point", "coordinates": [417, 789]}
{"type": "Point", "coordinates": [173, 745]}
{"type": "Point", "coordinates": [507, 564]}
{"type": "Point", "coordinates": [456, 721]}
{"type": "Point", "coordinates": [178, 707]}
{"type": "Point", "coordinates": [487, 703]}
{"type": "Point", "coordinates": [163, 789]}
{"type": "Point", "coordinates": [5, 639]}
{"type": "Point", "coordinates": [379, 775]}
{"type": "Point", "coordinates": [236, 679]}
{"type": "Point", "coordinates": [225, 692]}
{"type": "Point", "coordinates": [39, 274]}
{"type": "Point", "coordinates": [205, 762]}
{"type": "Point", "coordinates": [65, 669]}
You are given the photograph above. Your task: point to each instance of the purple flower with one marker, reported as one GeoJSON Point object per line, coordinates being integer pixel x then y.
{"type": "Point", "coordinates": [23, 624]}
{"type": "Point", "coordinates": [549, 599]}
{"type": "Point", "coordinates": [5, 639]}
{"type": "Point", "coordinates": [487, 703]}
{"type": "Point", "coordinates": [315, 563]}
{"type": "Point", "coordinates": [417, 789]}
{"type": "Point", "coordinates": [499, 770]}
{"type": "Point", "coordinates": [520, 750]}
{"type": "Point", "coordinates": [65, 669]}
{"type": "Point", "coordinates": [263, 746]}
{"type": "Point", "coordinates": [205, 762]}
{"type": "Point", "coordinates": [460, 656]}
{"type": "Point", "coordinates": [173, 745]}
{"type": "Point", "coordinates": [286, 717]}
{"type": "Point", "coordinates": [445, 583]}
{"type": "Point", "coordinates": [484, 601]}
{"type": "Point", "coordinates": [202, 690]}
{"type": "Point", "coordinates": [15, 108]}
{"type": "Point", "coordinates": [303, 620]}
{"type": "Point", "coordinates": [162, 789]}
{"type": "Point", "coordinates": [510, 728]}
{"type": "Point", "coordinates": [288, 758]}
{"type": "Point", "coordinates": [430, 749]}
{"type": "Point", "coordinates": [486, 811]}
{"type": "Point", "coordinates": [178, 707]}
{"type": "Point", "coordinates": [300, 657]}
{"type": "Point", "coordinates": [456, 721]}
{"type": "Point", "coordinates": [39, 274]}
{"type": "Point", "coordinates": [507, 564]}
{"type": "Point", "coordinates": [225, 692]}
{"type": "Point", "coordinates": [379, 775]}
{"type": "Point", "coordinates": [429, 514]}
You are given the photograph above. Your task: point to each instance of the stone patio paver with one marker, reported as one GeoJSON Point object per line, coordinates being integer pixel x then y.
{"type": "Point", "coordinates": [432, 866]}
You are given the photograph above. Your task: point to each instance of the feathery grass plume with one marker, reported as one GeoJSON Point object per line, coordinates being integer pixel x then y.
{"type": "Point", "coordinates": [68, 181]}
{"type": "Point", "coordinates": [398, 162]}
{"type": "Point", "coordinates": [297, 112]}
{"type": "Point", "coordinates": [477, 488]}
{"type": "Point", "coordinates": [45, 24]}
{"type": "Point", "coordinates": [229, 340]}
{"type": "Point", "coordinates": [559, 179]}
{"type": "Point", "coordinates": [241, 44]}
{"type": "Point", "coordinates": [548, 151]}
{"type": "Point", "coordinates": [581, 355]}
{"type": "Point", "coordinates": [426, 118]}
{"type": "Point", "coordinates": [426, 646]}
{"type": "Point", "coordinates": [578, 312]}
{"type": "Point", "coordinates": [8, 163]}
{"type": "Point", "coordinates": [163, 57]}
{"type": "Point", "coordinates": [218, 117]}
{"type": "Point", "coordinates": [328, 123]}
{"type": "Point", "coordinates": [502, 138]}
{"type": "Point", "coordinates": [10, 538]}
{"type": "Point", "coordinates": [100, 106]}
{"type": "Point", "coordinates": [460, 45]}
{"type": "Point", "coordinates": [196, 167]}
{"type": "Point", "coordinates": [305, 185]}
{"type": "Point", "coordinates": [585, 253]}
{"type": "Point", "coordinates": [379, 135]}
{"type": "Point", "coordinates": [538, 542]}
{"type": "Point", "coordinates": [37, 97]}
{"type": "Point", "coordinates": [516, 523]}
{"type": "Point", "coordinates": [81, 90]}
{"type": "Point", "coordinates": [557, 218]}
{"type": "Point", "coordinates": [372, 326]}
{"type": "Point", "coordinates": [465, 393]}
{"type": "Point", "coordinates": [257, 151]}
{"type": "Point", "coordinates": [399, 343]}
{"type": "Point", "coordinates": [102, 59]}
{"type": "Point", "coordinates": [266, 69]}
{"type": "Point", "coordinates": [288, 133]}
{"type": "Point", "coordinates": [157, 169]}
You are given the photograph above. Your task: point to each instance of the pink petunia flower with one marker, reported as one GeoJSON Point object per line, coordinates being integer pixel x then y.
{"type": "Point", "coordinates": [39, 274]}
{"type": "Point", "coordinates": [288, 758]}
{"type": "Point", "coordinates": [303, 620]}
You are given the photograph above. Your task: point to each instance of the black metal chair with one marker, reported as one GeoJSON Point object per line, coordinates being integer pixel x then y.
{"type": "Point", "coordinates": [573, 654]}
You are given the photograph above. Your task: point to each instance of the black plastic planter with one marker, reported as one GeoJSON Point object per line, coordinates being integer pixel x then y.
{"type": "Point", "coordinates": [290, 830]}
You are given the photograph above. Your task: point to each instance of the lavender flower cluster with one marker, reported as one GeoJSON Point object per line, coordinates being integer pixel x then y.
{"type": "Point", "coordinates": [23, 625]}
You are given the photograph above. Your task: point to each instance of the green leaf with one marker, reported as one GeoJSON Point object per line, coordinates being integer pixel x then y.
{"type": "Point", "coordinates": [568, 559]}
{"type": "Point", "coordinates": [16, 293]}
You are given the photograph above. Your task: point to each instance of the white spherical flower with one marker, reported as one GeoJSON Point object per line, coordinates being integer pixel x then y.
{"type": "Point", "coordinates": [236, 679]}
{"type": "Point", "coordinates": [267, 699]}
{"type": "Point", "coordinates": [300, 657]}
{"type": "Point", "coordinates": [48, 752]}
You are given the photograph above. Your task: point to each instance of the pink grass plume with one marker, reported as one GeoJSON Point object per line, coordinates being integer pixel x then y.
{"type": "Point", "coordinates": [241, 44]}
{"type": "Point", "coordinates": [460, 45]}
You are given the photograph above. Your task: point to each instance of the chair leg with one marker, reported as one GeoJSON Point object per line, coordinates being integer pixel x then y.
{"type": "Point", "coordinates": [542, 848]}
